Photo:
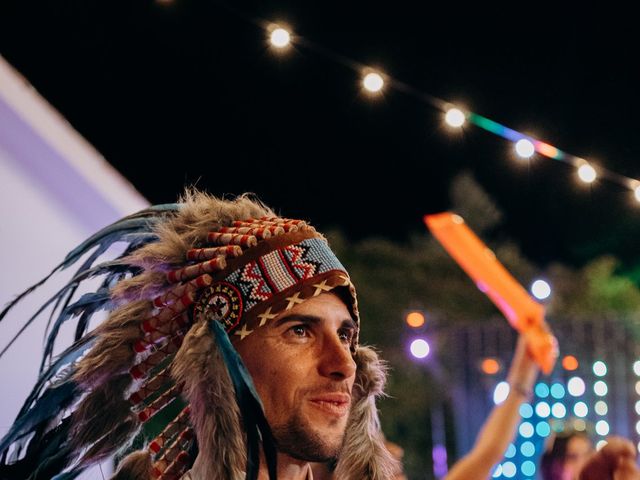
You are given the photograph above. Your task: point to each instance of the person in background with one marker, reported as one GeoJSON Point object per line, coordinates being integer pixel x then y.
{"type": "Point", "coordinates": [500, 427]}
{"type": "Point", "coordinates": [565, 455]}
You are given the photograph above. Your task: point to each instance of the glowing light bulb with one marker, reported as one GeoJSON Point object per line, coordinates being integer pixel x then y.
{"type": "Point", "coordinates": [636, 367]}
{"type": "Point", "coordinates": [373, 82]}
{"type": "Point", "coordinates": [525, 148]}
{"type": "Point", "coordinates": [601, 444]}
{"type": "Point", "coordinates": [540, 289]}
{"type": "Point", "coordinates": [280, 38]}
{"type": "Point", "coordinates": [454, 117]}
{"type": "Point", "coordinates": [587, 173]}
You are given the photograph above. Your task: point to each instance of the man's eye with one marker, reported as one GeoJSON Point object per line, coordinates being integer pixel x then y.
{"type": "Point", "coordinates": [346, 335]}
{"type": "Point", "coordinates": [299, 330]}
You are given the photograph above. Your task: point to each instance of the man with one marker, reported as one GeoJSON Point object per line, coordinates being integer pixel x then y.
{"type": "Point", "coordinates": [230, 351]}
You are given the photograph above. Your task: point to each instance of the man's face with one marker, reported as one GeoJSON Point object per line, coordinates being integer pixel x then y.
{"type": "Point", "coordinates": [302, 367]}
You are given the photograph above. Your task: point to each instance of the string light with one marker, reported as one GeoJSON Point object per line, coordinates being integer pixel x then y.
{"type": "Point", "coordinates": [279, 37]}
{"type": "Point", "coordinates": [525, 148]}
{"type": "Point", "coordinates": [587, 173]}
{"type": "Point", "coordinates": [373, 82]}
{"type": "Point", "coordinates": [455, 117]}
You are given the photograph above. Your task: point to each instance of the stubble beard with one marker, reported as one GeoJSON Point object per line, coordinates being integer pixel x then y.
{"type": "Point", "coordinates": [299, 440]}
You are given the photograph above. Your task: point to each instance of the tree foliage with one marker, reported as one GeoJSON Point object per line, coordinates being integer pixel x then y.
{"type": "Point", "coordinates": [394, 277]}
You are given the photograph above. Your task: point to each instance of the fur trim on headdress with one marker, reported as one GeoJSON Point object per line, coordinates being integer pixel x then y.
{"type": "Point", "coordinates": [214, 412]}
{"type": "Point", "coordinates": [364, 455]}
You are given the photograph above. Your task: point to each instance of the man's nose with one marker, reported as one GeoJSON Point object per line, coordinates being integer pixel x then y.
{"type": "Point", "coordinates": [336, 359]}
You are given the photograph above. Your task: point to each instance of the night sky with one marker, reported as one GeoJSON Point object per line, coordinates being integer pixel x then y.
{"type": "Point", "coordinates": [189, 93]}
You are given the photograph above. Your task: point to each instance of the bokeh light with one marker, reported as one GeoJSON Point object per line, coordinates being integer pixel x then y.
{"type": "Point", "coordinates": [541, 289]}
{"type": "Point", "coordinates": [526, 410]}
{"type": "Point", "coordinates": [526, 429]}
{"type": "Point", "coordinates": [601, 407]}
{"type": "Point", "coordinates": [580, 409]}
{"type": "Point", "coordinates": [587, 173]}
{"type": "Point", "coordinates": [600, 368]}
{"type": "Point", "coordinates": [528, 468]}
{"type": "Point", "coordinates": [525, 148]}
{"type": "Point", "coordinates": [509, 469]}
{"type": "Point", "coordinates": [542, 390]}
{"type": "Point", "coordinates": [576, 386]}
{"type": "Point", "coordinates": [527, 449]}
{"type": "Point", "coordinates": [373, 82]}
{"type": "Point", "coordinates": [455, 117]}
{"type": "Point", "coordinates": [490, 366]}
{"type": "Point", "coordinates": [511, 451]}
{"type": "Point", "coordinates": [600, 388]}
{"type": "Point", "coordinates": [501, 392]}
{"type": "Point", "coordinates": [557, 391]}
{"type": "Point", "coordinates": [420, 348]}
{"type": "Point", "coordinates": [280, 37]}
{"type": "Point", "coordinates": [558, 410]}
{"type": "Point", "coordinates": [415, 319]}
{"type": "Point", "coordinates": [543, 429]}
{"type": "Point", "coordinates": [602, 427]}
{"type": "Point", "coordinates": [543, 410]}
{"type": "Point", "coordinates": [570, 363]}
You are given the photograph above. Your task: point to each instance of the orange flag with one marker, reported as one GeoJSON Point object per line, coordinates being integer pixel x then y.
{"type": "Point", "coordinates": [480, 263]}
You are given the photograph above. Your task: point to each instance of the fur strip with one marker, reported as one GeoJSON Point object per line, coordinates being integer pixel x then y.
{"type": "Point", "coordinates": [364, 455]}
{"type": "Point", "coordinates": [135, 466]}
{"type": "Point", "coordinates": [214, 412]}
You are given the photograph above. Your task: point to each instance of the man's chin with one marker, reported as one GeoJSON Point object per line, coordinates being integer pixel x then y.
{"type": "Point", "coordinates": [304, 442]}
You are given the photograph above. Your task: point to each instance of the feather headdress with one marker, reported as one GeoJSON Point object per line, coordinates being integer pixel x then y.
{"type": "Point", "coordinates": [158, 383]}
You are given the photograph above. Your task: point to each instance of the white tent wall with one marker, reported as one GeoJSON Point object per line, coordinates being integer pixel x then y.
{"type": "Point", "coordinates": [55, 191]}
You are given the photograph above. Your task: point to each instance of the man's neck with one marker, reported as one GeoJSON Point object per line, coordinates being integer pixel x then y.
{"type": "Point", "coordinates": [288, 468]}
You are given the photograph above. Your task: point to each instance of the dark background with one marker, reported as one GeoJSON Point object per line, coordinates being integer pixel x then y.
{"type": "Point", "coordinates": [188, 93]}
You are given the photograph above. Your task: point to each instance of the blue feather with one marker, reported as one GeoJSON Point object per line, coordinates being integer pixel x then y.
{"type": "Point", "coordinates": [48, 406]}
{"type": "Point", "coordinates": [88, 304]}
{"type": "Point", "coordinates": [250, 407]}
{"type": "Point", "coordinates": [68, 357]}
